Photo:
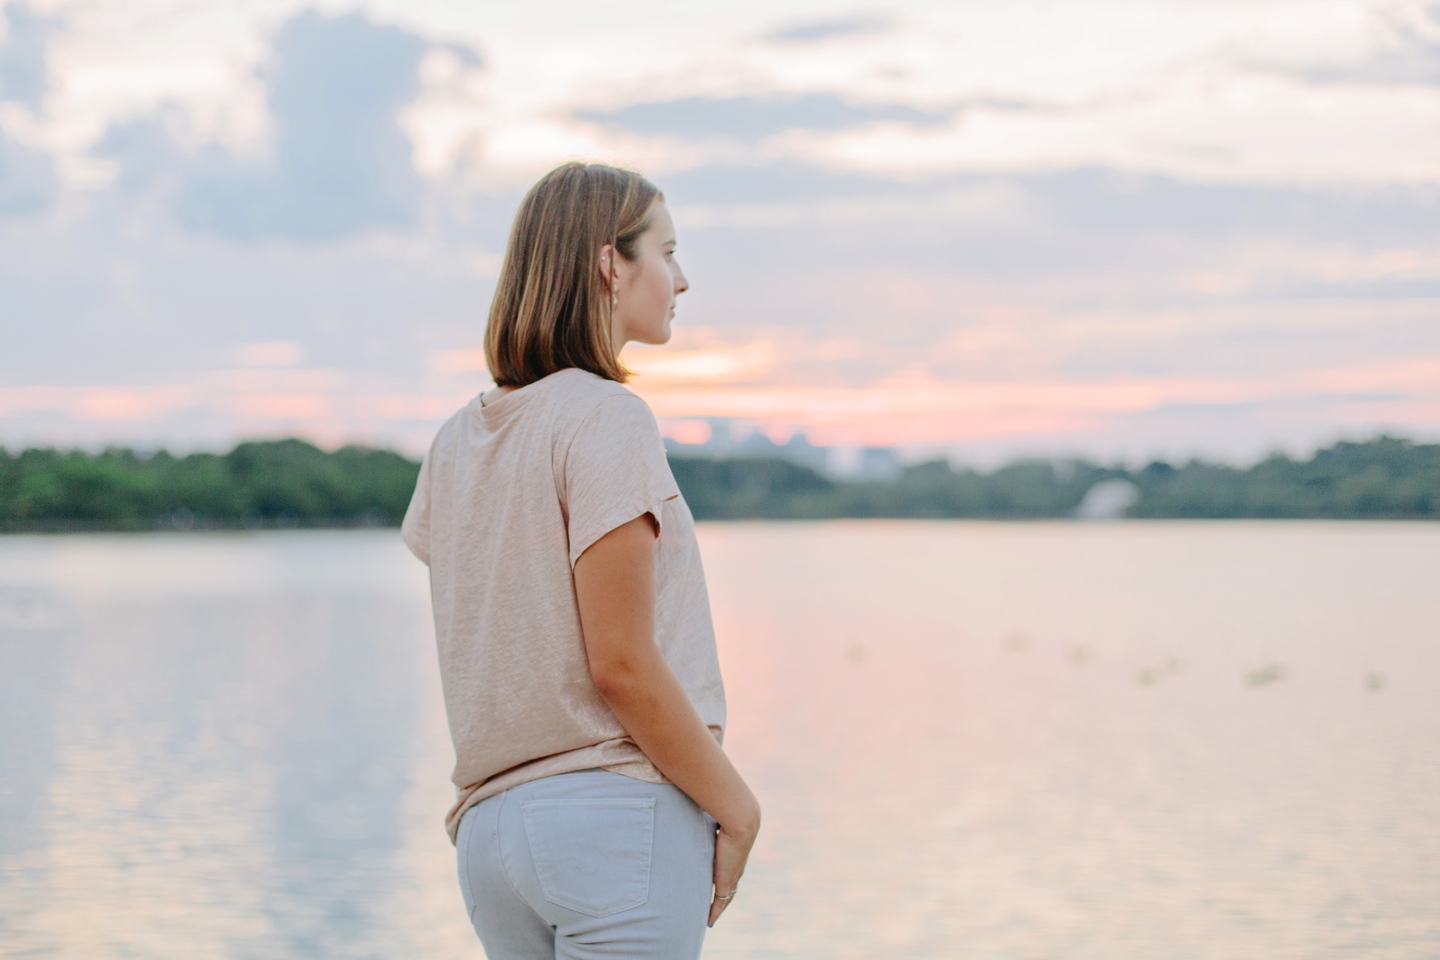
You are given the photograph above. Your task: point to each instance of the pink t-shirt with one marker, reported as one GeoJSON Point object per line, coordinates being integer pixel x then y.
{"type": "Point", "coordinates": [510, 495]}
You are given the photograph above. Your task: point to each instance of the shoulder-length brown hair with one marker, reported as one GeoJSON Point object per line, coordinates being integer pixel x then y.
{"type": "Point", "coordinates": [552, 307]}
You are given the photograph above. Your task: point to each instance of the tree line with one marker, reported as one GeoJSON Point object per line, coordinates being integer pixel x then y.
{"type": "Point", "coordinates": [282, 483]}
{"type": "Point", "coordinates": [290, 483]}
{"type": "Point", "coordinates": [1385, 478]}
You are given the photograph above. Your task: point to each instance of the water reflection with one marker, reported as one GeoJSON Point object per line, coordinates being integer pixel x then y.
{"type": "Point", "coordinates": [30, 675]}
{"type": "Point", "coordinates": [229, 751]}
{"type": "Point", "coordinates": [971, 740]}
{"type": "Point", "coordinates": [1050, 747]}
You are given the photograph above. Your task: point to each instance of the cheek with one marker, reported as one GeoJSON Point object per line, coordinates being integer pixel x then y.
{"type": "Point", "coordinates": [659, 285]}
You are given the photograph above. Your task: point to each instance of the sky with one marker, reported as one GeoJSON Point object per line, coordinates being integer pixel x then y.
{"type": "Point", "coordinates": [978, 229]}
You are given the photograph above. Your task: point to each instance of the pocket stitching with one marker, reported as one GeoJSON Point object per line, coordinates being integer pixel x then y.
{"type": "Point", "coordinates": [645, 805]}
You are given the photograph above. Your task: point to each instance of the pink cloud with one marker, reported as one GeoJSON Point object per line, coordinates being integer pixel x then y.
{"type": "Point", "coordinates": [685, 431]}
{"type": "Point", "coordinates": [910, 408]}
{"type": "Point", "coordinates": [917, 409]}
{"type": "Point", "coordinates": [282, 406]}
{"type": "Point", "coordinates": [98, 403]}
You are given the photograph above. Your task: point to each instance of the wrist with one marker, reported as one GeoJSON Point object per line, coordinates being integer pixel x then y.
{"type": "Point", "coordinates": [742, 822]}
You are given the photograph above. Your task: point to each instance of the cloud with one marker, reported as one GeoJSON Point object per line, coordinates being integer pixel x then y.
{"type": "Point", "coordinates": [23, 73]}
{"type": "Point", "coordinates": [468, 56]}
{"type": "Point", "coordinates": [27, 179]}
{"type": "Point", "coordinates": [144, 150]}
{"type": "Point", "coordinates": [339, 162]}
{"type": "Point", "coordinates": [1412, 59]}
{"type": "Point", "coordinates": [270, 353]}
{"type": "Point", "coordinates": [754, 118]}
{"type": "Point", "coordinates": [1077, 217]}
{"type": "Point", "coordinates": [814, 31]}
{"type": "Point", "coordinates": [783, 182]}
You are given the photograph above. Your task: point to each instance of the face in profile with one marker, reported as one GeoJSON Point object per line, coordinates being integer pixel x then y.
{"type": "Point", "coordinates": [647, 286]}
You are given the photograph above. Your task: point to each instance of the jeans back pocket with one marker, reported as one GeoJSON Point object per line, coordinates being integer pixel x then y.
{"type": "Point", "coordinates": [592, 856]}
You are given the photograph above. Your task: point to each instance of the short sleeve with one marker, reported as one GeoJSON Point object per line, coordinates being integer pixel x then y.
{"type": "Point", "coordinates": [615, 471]}
{"type": "Point", "coordinates": [415, 528]}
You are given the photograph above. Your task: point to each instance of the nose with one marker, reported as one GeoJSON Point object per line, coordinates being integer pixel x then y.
{"type": "Point", "coordinates": [681, 284]}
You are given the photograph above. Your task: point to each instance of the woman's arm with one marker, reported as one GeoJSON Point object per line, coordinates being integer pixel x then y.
{"type": "Point", "coordinates": [615, 589]}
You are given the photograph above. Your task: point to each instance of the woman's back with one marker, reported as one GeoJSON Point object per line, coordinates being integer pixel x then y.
{"type": "Point", "coordinates": [512, 492]}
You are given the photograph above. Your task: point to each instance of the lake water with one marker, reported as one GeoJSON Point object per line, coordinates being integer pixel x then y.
{"type": "Point", "coordinates": [971, 740]}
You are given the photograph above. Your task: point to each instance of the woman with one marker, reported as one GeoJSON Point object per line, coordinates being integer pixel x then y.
{"type": "Point", "coordinates": [596, 813]}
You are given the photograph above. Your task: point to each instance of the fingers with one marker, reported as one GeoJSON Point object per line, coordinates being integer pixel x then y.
{"type": "Point", "coordinates": [730, 858]}
{"type": "Point", "coordinates": [719, 904]}
{"type": "Point", "coordinates": [717, 907]}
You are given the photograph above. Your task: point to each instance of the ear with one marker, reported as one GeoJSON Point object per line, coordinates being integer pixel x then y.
{"type": "Point", "coordinates": [607, 262]}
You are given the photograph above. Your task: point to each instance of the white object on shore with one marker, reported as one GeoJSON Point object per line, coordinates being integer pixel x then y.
{"type": "Point", "coordinates": [1108, 500]}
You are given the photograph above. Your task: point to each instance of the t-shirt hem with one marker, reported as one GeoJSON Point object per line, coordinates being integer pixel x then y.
{"type": "Point", "coordinates": [637, 768]}
{"type": "Point", "coordinates": [618, 518]}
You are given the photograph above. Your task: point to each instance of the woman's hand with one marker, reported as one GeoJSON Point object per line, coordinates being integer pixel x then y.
{"type": "Point", "coordinates": [732, 850]}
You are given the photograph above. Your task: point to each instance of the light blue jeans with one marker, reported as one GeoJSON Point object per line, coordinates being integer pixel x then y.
{"type": "Point", "coordinates": [586, 865]}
